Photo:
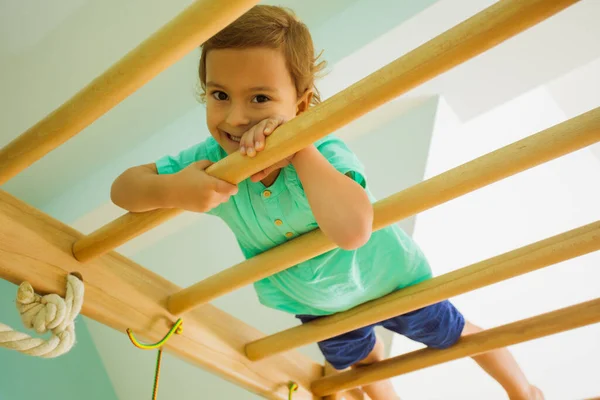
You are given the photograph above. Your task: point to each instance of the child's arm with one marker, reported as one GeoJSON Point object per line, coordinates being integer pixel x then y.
{"type": "Point", "coordinates": [141, 188]}
{"type": "Point", "coordinates": [340, 205]}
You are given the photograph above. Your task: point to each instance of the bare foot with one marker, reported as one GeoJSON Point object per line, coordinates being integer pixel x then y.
{"type": "Point", "coordinates": [534, 393]}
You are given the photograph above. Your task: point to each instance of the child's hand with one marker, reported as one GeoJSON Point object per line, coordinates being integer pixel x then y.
{"type": "Point", "coordinates": [254, 140]}
{"type": "Point", "coordinates": [194, 190]}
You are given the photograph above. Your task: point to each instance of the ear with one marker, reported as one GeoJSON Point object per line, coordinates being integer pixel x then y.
{"type": "Point", "coordinates": [304, 102]}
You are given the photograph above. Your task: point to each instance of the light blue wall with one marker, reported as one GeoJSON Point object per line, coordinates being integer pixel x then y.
{"type": "Point", "coordinates": [362, 22]}
{"type": "Point", "coordinates": [76, 375]}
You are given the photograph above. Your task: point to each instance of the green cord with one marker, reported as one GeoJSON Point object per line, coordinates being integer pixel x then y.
{"type": "Point", "coordinates": [293, 386]}
{"type": "Point", "coordinates": [157, 374]}
{"type": "Point", "coordinates": [177, 328]}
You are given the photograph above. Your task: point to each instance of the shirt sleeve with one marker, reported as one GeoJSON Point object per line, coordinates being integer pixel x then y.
{"type": "Point", "coordinates": [207, 150]}
{"type": "Point", "coordinates": [172, 164]}
{"type": "Point", "coordinates": [342, 158]}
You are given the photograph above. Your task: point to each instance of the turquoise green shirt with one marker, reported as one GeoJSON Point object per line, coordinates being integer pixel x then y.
{"type": "Point", "coordinates": [264, 217]}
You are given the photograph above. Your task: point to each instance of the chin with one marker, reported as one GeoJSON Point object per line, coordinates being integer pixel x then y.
{"type": "Point", "coordinates": [228, 142]}
{"type": "Point", "coordinates": [229, 147]}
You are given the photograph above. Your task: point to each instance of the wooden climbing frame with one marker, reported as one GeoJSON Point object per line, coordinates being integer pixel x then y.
{"type": "Point", "coordinates": [122, 294]}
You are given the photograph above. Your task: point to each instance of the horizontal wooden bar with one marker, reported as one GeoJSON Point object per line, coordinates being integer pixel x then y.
{"type": "Point", "coordinates": [552, 143]}
{"type": "Point", "coordinates": [565, 246]}
{"type": "Point", "coordinates": [121, 294]}
{"type": "Point", "coordinates": [461, 43]}
{"type": "Point", "coordinates": [506, 335]}
{"type": "Point", "coordinates": [192, 27]}
{"type": "Point", "coordinates": [352, 394]}
{"type": "Point", "coordinates": [126, 227]}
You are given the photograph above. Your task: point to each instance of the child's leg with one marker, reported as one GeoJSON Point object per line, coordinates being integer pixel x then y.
{"type": "Point", "coordinates": [382, 390]}
{"type": "Point", "coordinates": [502, 366]}
{"type": "Point", "coordinates": [350, 394]}
{"type": "Point", "coordinates": [441, 325]}
{"type": "Point", "coordinates": [354, 349]}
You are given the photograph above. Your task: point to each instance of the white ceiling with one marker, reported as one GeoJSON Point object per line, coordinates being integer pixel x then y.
{"type": "Point", "coordinates": [24, 23]}
{"type": "Point", "coordinates": [542, 54]}
{"type": "Point", "coordinates": [577, 91]}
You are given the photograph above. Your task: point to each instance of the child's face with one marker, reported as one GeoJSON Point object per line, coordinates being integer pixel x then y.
{"type": "Point", "coordinates": [244, 87]}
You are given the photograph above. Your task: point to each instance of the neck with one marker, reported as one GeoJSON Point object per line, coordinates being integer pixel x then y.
{"type": "Point", "coordinates": [270, 179]}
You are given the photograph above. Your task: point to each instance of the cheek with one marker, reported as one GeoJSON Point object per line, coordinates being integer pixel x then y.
{"type": "Point", "coordinates": [286, 109]}
{"type": "Point", "coordinates": [213, 116]}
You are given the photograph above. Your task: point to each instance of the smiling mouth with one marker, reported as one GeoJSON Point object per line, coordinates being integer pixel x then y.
{"type": "Point", "coordinates": [232, 138]}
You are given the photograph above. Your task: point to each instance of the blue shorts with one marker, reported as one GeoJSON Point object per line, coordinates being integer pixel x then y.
{"type": "Point", "coordinates": [438, 325]}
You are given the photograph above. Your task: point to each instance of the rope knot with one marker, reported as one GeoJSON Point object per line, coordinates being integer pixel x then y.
{"type": "Point", "coordinates": [43, 314]}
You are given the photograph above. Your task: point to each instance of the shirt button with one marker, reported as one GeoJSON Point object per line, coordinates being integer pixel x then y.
{"type": "Point", "coordinates": [267, 193]}
{"type": "Point", "coordinates": [289, 234]}
{"type": "Point", "coordinates": [278, 222]}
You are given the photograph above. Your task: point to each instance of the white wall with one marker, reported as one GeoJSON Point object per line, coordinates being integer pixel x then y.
{"type": "Point", "coordinates": [539, 203]}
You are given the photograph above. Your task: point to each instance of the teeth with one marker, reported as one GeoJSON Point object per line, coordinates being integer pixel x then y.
{"type": "Point", "coordinates": [234, 138]}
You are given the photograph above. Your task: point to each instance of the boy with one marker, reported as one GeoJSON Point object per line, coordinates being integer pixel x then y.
{"type": "Point", "coordinates": [255, 75]}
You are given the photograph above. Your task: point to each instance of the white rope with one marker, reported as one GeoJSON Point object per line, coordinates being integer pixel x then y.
{"type": "Point", "coordinates": [47, 313]}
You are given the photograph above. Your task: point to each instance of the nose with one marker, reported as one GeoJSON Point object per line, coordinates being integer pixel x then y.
{"type": "Point", "coordinates": [237, 115]}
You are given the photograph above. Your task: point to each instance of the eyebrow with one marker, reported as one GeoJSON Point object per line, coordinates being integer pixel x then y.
{"type": "Point", "coordinates": [213, 84]}
{"type": "Point", "coordinates": [252, 89]}
{"type": "Point", "coordinates": [262, 89]}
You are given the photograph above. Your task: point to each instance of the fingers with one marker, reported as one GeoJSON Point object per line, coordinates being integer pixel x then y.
{"type": "Point", "coordinates": [220, 193]}
{"type": "Point", "coordinates": [247, 143]}
{"type": "Point", "coordinates": [271, 124]}
{"type": "Point", "coordinates": [225, 188]}
{"type": "Point", "coordinates": [259, 176]}
{"type": "Point", "coordinates": [259, 136]}
{"type": "Point", "coordinates": [215, 199]}
{"type": "Point", "coordinates": [253, 141]}
{"type": "Point", "coordinates": [217, 185]}
{"type": "Point", "coordinates": [203, 164]}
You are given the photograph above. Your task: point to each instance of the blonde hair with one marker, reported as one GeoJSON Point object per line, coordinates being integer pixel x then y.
{"type": "Point", "coordinates": [272, 27]}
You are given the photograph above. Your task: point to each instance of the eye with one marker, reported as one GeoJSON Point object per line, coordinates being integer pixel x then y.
{"type": "Point", "coordinates": [219, 95]}
{"type": "Point", "coordinates": [260, 98]}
